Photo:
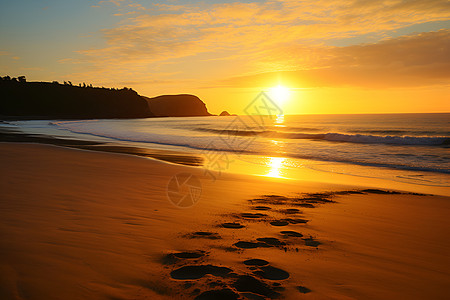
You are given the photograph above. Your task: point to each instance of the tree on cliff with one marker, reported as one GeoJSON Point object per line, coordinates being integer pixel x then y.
{"type": "Point", "coordinates": [47, 100]}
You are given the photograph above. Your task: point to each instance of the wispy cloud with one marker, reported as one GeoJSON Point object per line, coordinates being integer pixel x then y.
{"type": "Point", "coordinates": [276, 36]}
{"type": "Point", "coordinates": [415, 60]}
{"type": "Point", "coordinates": [116, 2]}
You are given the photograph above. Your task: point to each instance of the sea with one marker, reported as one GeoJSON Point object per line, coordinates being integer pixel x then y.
{"type": "Point", "coordinates": [409, 148]}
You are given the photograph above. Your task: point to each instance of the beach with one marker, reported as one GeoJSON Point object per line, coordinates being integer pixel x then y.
{"type": "Point", "coordinates": [79, 224]}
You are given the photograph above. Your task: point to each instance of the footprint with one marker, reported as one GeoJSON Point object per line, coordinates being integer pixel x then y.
{"type": "Point", "coordinates": [272, 273]}
{"type": "Point", "coordinates": [251, 245]}
{"type": "Point", "coordinates": [256, 262]}
{"type": "Point", "coordinates": [270, 199]}
{"type": "Point", "coordinates": [204, 235]}
{"type": "Point", "coordinates": [271, 241]}
{"type": "Point", "coordinates": [247, 283]}
{"type": "Point", "coordinates": [253, 215]}
{"type": "Point", "coordinates": [377, 191]}
{"type": "Point", "coordinates": [198, 271]}
{"type": "Point", "coordinates": [189, 254]}
{"type": "Point", "coordinates": [224, 294]}
{"type": "Point", "coordinates": [349, 193]}
{"type": "Point", "coordinates": [279, 223]}
{"type": "Point", "coordinates": [311, 242]}
{"type": "Point", "coordinates": [290, 211]}
{"type": "Point", "coordinates": [232, 225]}
{"type": "Point", "coordinates": [259, 207]}
{"type": "Point", "coordinates": [307, 205]}
{"type": "Point", "coordinates": [291, 233]}
{"type": "Point", "coordinates": [303, 290]}
{"type": "Point", "coordinates": [296, 221]}
{"type": "Point", "coordinates": [173, 258]}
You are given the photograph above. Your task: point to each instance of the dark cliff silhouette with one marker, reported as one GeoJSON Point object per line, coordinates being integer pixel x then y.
{"type": "Point", "coordinates": [20, 99]}
{"type": "Point", "coordinates": [37, 100]}
{"type": "Point", "coordinates": [183, 105]}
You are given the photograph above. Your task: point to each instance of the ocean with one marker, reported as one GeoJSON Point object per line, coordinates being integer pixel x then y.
{"type": "Point", "coordinates": [412, 148]}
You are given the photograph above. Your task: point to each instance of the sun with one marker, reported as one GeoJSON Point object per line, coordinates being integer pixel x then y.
{"type": "Point", "coordinates": [280, 94]}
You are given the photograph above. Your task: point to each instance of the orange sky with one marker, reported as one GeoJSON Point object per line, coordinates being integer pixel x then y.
{"type": "Point", "coordinates": [357, 56]}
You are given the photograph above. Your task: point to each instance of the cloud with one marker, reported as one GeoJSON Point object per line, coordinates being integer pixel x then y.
{"type": "Point", "coordinates": [262, 36]}
{"type": "Point", "coordinates": [115, 2]}
{"type": "Point", "coordinates": [415, 60]}
{"type": "Point", "coordinates": [8, 55]}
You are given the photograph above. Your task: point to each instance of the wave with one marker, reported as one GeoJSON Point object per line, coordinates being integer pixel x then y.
{"type": "Point", "coordinates": [373, 164]}
{"type": "Point", "coordinates": [399, 132]}
{"type": "Point", "coordinates": [392, 140]}
{"type": "Point", "coordinates": [339, 137]}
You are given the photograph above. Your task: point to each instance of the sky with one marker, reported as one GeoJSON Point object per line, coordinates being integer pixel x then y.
{"type": "Point", "coordinates": [333, 56]}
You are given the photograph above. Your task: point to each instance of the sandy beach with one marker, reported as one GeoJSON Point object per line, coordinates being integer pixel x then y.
{"type": "Point", "coordinates": [78, 224]}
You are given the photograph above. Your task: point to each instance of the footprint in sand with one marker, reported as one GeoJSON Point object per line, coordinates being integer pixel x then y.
{"type": "Point", "coordinates": [261, 243]}
{"type": "Point", "coordinates": [251, 245]}
{"type": "Point", "coordinates": [270, 199]}
{"type": "Point", "coordinates": [247, 283]}
{"type": "Point", "coordinates": [303, 290]}
{"type": "Point", "coordinates": [256, 262]}
{"type": "Point", "coordinates": [260, 207]}
{"type": "Point", "coordinates": [232, 225]}
{"type": "Point", "coordinates": [290, 211]}
{"type": "Point", "coordinates": [253, 215]}
{"type": "Point", "coordinates": [279, 223]}
{"type": "Point", "coordinates": [289, 233]}
{"type": "Point", "coordinates": [173, 258]}
{"type": "Point", "coordinates": [203, 235]}
{"type": "Point", "coordinates": [306, 205]}
{"type": "Point", "coordinates": [296, 221]}
{"type": "Point", "coordinates": [272, 273]}
{"type": "Point", "coordinates": [189, 254]}
{"type": "Point", "coordinates": [271, 241]}
{"type": "Point", "coordinates": [227, 294]}
{"type": "Point", "coordinates": [311, 242]}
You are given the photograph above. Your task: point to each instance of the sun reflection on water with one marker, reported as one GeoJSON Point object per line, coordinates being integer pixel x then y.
{"type": "Point", "coordinates": [275, 165]}
{"type": "Point", "coordinates": [279, 121]}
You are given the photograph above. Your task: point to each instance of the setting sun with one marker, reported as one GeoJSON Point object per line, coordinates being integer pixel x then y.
{"type": "Point", "coordinates": [279, 94]}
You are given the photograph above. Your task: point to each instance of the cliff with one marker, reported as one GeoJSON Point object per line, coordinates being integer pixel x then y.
{"type": "Point", "coordinates": [177, 106]}
{"type": "Point", "coordinates": [44, 100]}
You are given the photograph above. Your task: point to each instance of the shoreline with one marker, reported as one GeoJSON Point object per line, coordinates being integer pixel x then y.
{"type": "Point", "coordinates": [15, 136]}
{"type": "Point", "coordinates": [255, 165]}
{"type": "Point", "coordinates": [84, 224]}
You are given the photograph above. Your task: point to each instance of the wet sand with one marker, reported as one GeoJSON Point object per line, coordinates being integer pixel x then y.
{"type": "Point", "coordinates": [17, 136]}
{"type": "Point", "coordinates": [80, 224]}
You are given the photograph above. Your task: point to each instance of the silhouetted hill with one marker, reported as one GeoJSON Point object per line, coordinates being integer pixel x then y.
{"type": "Point", "coordinates": [177, 106]}
{"type": "Point", "coordinates": [44, 100]}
